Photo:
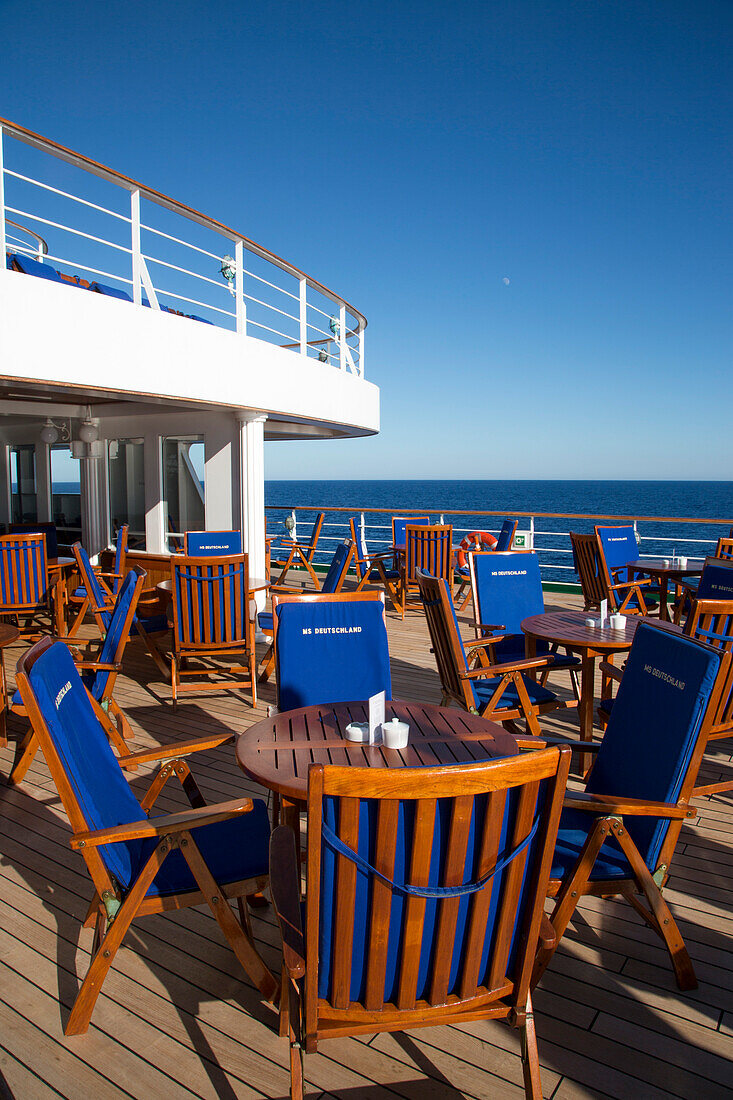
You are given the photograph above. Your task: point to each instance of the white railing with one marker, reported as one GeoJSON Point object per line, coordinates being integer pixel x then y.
{"type": "Point", "coordinates": [164, 254]}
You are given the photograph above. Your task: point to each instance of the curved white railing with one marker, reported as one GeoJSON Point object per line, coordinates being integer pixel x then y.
{"type": "Point", "coordinates": [166, 254]}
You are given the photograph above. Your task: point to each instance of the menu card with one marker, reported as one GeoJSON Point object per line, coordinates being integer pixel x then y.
{"type": "Point", "coordinates": [376, 717]}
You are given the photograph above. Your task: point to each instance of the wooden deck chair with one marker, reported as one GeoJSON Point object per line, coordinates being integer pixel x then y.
{"type": "Point", "coordinates": [429, 549]}
{"type": "Point", "coordinates": [199, 544]}
{"type": "Point", "coordinates": [503, 692]}
{"type": "Point", "coordinates": [140, 865]}
{"type": "Point", "coordinates": [506, 588]}
{"type": "Point", "coordinates": [424, 901]}
{"type": "Point", "coordinates": [298, 555]}
{"type": "Point", "coordinates": [26, 591]}
{"type": "Point", "coordinates": [724, 549]}
{"type": "Point", "coordinates": [504, 542]}
{"type": "Point", "coordinates": [617, 838]}
{"type": "Point", "coordinates": [212, 625]}
{"type": "Point", "coordinates": [374, 568]}
{"type": "Point", "coordinates": [626, 594]}
{"type": "Point", "coordinates": [399, 528]}
{"type": "Point", "coordinates": [595, 580]}
{"type": "Point", "coordinates": [109, 582]}
{"type": "Point", "coordinates": [101, 604]}
{"type": "Point", "coordinates": [98, 677]}
{"type": "Point", "coordinates": [330, 648]}
{"type": "Point", "coordinates": [43, 528]}
{"type": "Point", "coordinates": [332, 582]}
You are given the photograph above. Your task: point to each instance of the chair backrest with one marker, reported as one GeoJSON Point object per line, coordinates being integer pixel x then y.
{"type": "Point", "coordinates": [120, 555]}
{"type": "Point", "coordinates": [618, 547]}
{"type": "Point", "coordinates": [339, 567]}
{"type": "Point", "coordinates": [724, 548]}
{"type": "Point", "coordinates": [590, 568]}
{"type": "Point", "coordinates": [210, 602]}
{"type": "Point", "coordinates": [505, 537]}
{"type": "Point", "coordinates": [427, 884]}
{"type": "Point", "coordinates": [47, 529]}
{"type": "Point", "coordinates": [445, 639]}
{"type": "Point", "coordinates": [101, 681]}
{"type": "Point", "coordinates": [429, 548]}
{"type": "Point", "coordinates": [330, 648]}
{"type": "Point", "coordinates": [506, 587]}
{"type": "Point", "coordinates": [716, 580]}
{"type": "Point", "coordinates": [315, 535]}
{"type": "Point", "coordinates": [199, 544]}
{"type": "Point", "coordinates": [656, 731]}
{"type": "Point", "coordinates": [23, 572]}
{"type": "Point", "coordinates": [110, 291]}
{"type": "Point", "coordinates": [399, 527]}
{"type": "Point", "coordinates": [94, 590]}
{"type": "Point", "coordinates": [29, 266]}
{"type": "Point", "coordinates": [92, 786]}
{"type": "Point", "coordinates": [361, 553]}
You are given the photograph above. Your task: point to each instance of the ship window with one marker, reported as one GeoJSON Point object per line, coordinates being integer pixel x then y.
{"type": "Point", "coordinates": [183, 487]}
{"type": "Point", "coordinates": [66, 494]}
{"type": "Point", "coordinates": [23, 483]}
{"type": "Point", "coordinates": [127, 489]}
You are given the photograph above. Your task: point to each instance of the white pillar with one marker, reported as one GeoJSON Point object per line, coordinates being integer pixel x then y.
{"type": "Point", "coordinates": [252, 488]}
{"type": "Point", "coordinates": [93, 506]}
{"type": "Point", "coordinates": [156, 519]}
{"type": "Point", "coordinates": [43, 482]}
{"type": "Point", "coordinates": [218, 487]}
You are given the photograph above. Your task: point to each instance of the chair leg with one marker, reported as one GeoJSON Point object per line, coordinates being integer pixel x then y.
{"type": "Point", "coordinates": [267, 665]}
{"type": "Point", "coordinates": [25, 750]}
{"type": "Point", "coordinates": [81, 614]}
{"type": "Point", "coordinates": [152, 649]}
{"type": "Point", "coordinates": [530, 1055]}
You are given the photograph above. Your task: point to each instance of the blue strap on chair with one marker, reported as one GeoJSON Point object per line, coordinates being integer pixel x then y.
{"type": "Point", "coordinates": [331, 652]}
{"type": "Point", "coordinates": [198, 544]}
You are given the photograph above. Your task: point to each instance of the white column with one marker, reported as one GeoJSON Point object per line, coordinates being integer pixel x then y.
{"type": "Point", "coordinates": [156, 519]}
{"type": "Point", "coordinates": [252, 488]}
{"type": "Point", "coordinates": [6, 511]}
{"type": "Point", "coordinates": [93, 506]}
{"type": "Point", "coordinates": [43, 482]}
{"type": "Point", "coordinates": [218, 489]}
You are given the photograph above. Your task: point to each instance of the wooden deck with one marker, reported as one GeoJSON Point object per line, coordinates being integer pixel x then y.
{"type": "Point", "coordinates": [175, 1018]}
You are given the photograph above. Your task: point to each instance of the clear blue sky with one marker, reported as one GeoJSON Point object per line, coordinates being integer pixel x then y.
{"type": "Point", "coordinates": [414, 157]}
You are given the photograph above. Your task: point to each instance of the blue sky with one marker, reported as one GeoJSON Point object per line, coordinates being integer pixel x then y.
{"type": "Point", "coordinates": [415, 157]}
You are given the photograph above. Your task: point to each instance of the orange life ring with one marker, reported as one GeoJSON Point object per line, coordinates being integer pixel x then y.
{"type": "Point", "coordinates": [477, 540]}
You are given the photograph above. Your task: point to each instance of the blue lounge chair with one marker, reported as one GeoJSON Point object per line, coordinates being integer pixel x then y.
{"type": "Point", "coordinates": [629, 595]}
{"type": "Point", "coordinates": [198, 544]}
{"type": "Point", "coordinates": [298, 555]}
{"type": "Point", "coordinates": [139, 864]}
{"type": "Point", "coordinates": [507, 588]}
{"type": "Point", "coordinates": [25, 588]}
{"type": "Point", "coordinates": [110, 291]}
{"type": "Point", "coordinates": [332, 583]}
{"type": "Point", "coordinates": [617, 838]}
{"type": "Point", "coordinates": [429, 909]}
{"type": "Point", "coordinates": [330, 648]}
{"type": "Point", "coordinates": [108, 582]}
{"type": "Point", "coordinates": [98, 676]}
{"type": "Point", "coordinates": [374, 568]}
{"type": "Point", "coordinates": [503, 692]}
{"type": "Point", "coordinates": [28, 266]}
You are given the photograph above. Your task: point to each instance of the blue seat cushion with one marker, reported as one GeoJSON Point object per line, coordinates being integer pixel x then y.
{"type": "Point", "coordinates": [154, 625]}
{"type": "Point", "coordinates": [232, 850]}
{"type": "Point", "coordinates": [512, 649]}
{"type": "Point", "coordinates": [573, 833]}
{"type": "Point", "coordinates": [79, 593]}
{"type": "Point", "coordinates": [390, 574]}
{"type": "Point", "coordinates": [510, 698]}
{"type": "Point", "coordinates": [264, 621]}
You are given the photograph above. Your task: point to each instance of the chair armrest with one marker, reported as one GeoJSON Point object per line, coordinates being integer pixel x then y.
{"type": "Point", "coordinates": [548, 739]}
{"type": "Point", "coordinates": [285, 890]}
{"type": "Point", "coordinates": [635, 807]}
{"type": "Point", "coordinates": [99, 665]}
{"type": "Point", "coordinates": [612, 671]}
{"type": "Point", "coordinates": [489, 626]}
{"type": "Point", "coordinates": [173, 752]}
{"type": "Point", "coordinates": [513, 666]}
{"type": "Point", "coordinates": [483, 643]}
{"type": "Point", "coordinates": [548, 935]}
{"type": "Point", "coordinates": [161, 826]}
{"type": "Point", "coordinates": [640, 583]}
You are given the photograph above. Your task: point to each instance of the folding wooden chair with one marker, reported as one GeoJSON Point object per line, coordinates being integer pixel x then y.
{"type": "Point", "coordinates": [426, 548]}
{"type": "Point", "coordinates": [374, 568]}
{"type": "Point", "coordinates": [298, 555]}
{"type": "Point", "coordinates": [25, 588]}
{"type": "Point", "coordinates": [108, 582]}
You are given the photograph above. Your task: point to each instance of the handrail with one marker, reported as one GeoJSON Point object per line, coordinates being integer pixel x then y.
{"type": "Point", "coordinates": [79, 160]}
{"type": "Point", "coordinates": [502, 512]}
{"type": "Point", "coordinates": [43, 247]}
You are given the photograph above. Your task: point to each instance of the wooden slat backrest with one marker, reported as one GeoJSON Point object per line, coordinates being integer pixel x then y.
{"type": "Point", "coordinates": [210, 601]}
{"type": "Point", "coordinates": [711, 621]}
{"type": "Point", "coordinates": [591, 569]}
{"type": "Point", "coordinates": [445, 640]}
{"type": "Point", "coordinates": [429, 548]}
{"type": "Point", "coordinates": [315, 535]}
{"type": "Point", "coordinates": [23, 572]}
{"type": "Point", "coordinates": [724, 549]}
{"type": "Point", "coordinates": [485, 812]}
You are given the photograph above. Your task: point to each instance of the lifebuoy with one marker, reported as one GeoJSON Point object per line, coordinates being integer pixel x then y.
{"type": "Point", "coordinates": [477, 540]}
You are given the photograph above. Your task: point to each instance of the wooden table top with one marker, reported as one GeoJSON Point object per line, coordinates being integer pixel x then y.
{"type": "Point", "coordinates": [656, 567]}
{"type": "Point", "coordinates": [8, 634]}
{"type": "Point", "coordinates": [568, 628]}
{"type": "Point", "coordinates": [278, 751]}
{"type": "Point", "coordinates": [60, 563]}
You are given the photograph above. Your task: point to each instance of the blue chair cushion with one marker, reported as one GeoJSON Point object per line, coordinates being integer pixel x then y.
{"type": "Point", "coordinates": [265, 622]}
{"type": "Point", "coordinates": [154, 625]}
{"type": "Point", "coordinates": [572, 835]}
{"type": "Point", "coordinates": [29, 266]}
{"type": "Point", "coordinates": [110, 291]}
{"type": "Point", "coordinates": [484, 689]}
{"type": "Point", "coordinates": [606, 705]}
{"type": "Point", "coordinates": [79, 593]}
{"type": "Point", "coordinates": [390, 574]}
{"type": "Point", "coordinates": [214, 543]}
{"type": "Point", "coordinates": [512, 649]}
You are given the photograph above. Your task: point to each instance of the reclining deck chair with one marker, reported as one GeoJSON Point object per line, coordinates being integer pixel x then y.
{"type": "Point", "coordinates": [108, 582]}
{"type": "Point", "coordinates": [101, 604]}
{"type": "Point", "coordinates": [503, 543]}
{"type": "Point", "coordinates": [424, 901]}
{"type": "Point", "coordinates": [98, 677]}
{"type": "Point", "coordinates": [507, 588]}
{"type": "Point", "coordinates": [330, 648]}
{"type": "Point", "coordinates": [724, 549]}
{"type": "Point", "coordinates": [298, 555]}
{"type": "Point", "coordinates": [48, 529]}
{"type": "Point", "coordinates": [596, 582]}
{"type": "Point", "coordinates": [25, 588]}
{"type": "Point", "coordinates": [139, 864]}
{"type": "Point", "coordinates": [617, 838]}
{"type": "Point", "coordinates": [333, 582]}
{"type": "Point", "coordinates": [626, 594]}
{"type": "Point", "coordinates": [374, 568]}
{"type": "Point", "coordinates": [502, 692]}
{"type": "Point", "coordinates": [399, 528]}
{"type": "Point", "coordinates": [429, 549]}
{"type": "Point", "coordinates": [211, 623]}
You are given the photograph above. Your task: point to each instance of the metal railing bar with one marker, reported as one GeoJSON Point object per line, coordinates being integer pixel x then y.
{"type": "Point", "coordinates": [185, 271]}
{"type": "Point", "coordinates": [266, 305]}
{"type": "Point", "coordinates": [66, 195]}
{"type": "Point", "coordinates": [193, 301]}
{"type": "Point", "coordinates": [253, 275]}
{"type": "Point", "coordinates": [24, 246]}
{"type": "Point", "coordinates": [68, 229]}
{"type": "Point", "coordinates": [277, 333]}
{"type": "Point", "coordinates": [503, 512]}
{"type": "Point", "coordinates": [177, 240]}
{"type": "Point", "coordinates": [84, 267]}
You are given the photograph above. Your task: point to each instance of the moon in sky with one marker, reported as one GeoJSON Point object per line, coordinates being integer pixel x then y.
{"type": "Point", "coordinates": [506, 281]}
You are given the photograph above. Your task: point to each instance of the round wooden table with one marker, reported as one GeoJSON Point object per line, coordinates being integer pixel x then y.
{"type": "Point", "coordinates": [663, 574]}
{"type": "Point", "coordinates": [8, 635]}
{"type": "Point", "coordinates": [277, 751]}
{"type": "Point", "coordinates": [568, 629]}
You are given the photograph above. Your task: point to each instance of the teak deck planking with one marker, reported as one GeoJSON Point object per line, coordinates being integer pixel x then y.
{"type": "Point", "coordinates": [176, 1019]}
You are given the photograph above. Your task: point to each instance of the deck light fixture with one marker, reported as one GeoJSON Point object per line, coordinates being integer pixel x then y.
{"type": "Point", "coordinates": [229, 271]}
{"type": "Point", "coordinates": [52, 430]}
{"type": "Point", "coordinates": [89, 428]}
{"type": "Point", "coordinates": [323, 356]}
{"type": "Point", "coordinates": [335, 326]}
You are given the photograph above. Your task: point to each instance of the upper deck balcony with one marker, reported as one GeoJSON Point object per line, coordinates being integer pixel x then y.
{"type": "Point", "coordinates": [187, 310]}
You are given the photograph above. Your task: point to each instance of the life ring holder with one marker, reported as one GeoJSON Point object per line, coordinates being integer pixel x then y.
{"type": "Point", "coordinates": [476, 540]}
